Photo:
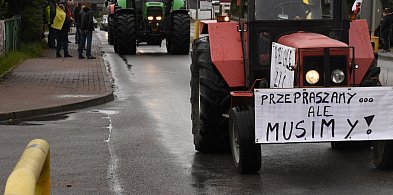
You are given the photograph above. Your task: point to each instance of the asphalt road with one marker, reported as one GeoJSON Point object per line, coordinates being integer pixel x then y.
{"type": "Point", "coordinates": [141, 143]}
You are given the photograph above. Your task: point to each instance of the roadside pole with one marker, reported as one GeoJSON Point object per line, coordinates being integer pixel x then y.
{"type": "Point", "coordinates": [373, 18]}
{"type": "Point", "coordinates": [197, 8]}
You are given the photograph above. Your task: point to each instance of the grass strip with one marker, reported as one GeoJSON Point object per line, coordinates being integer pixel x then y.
{"type": "Point", "coordinates": [13, 58]}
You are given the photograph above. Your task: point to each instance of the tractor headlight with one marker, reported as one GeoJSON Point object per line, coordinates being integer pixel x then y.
{"type": "Point", "coordinates": [312, 77]}
{"type": "Point", "coordinates": [150, 18]}
{"type": "Point", "coordinates": [222, 18]}
{"type": "Point", "coordinates": [338, 76]}
{"type": "Point", "coordinates": [159, 18]}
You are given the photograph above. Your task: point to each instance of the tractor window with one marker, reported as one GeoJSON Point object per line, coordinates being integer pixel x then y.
{"type": "Point", "coordinates": [235, 8]}
{"type": "Point", "coordinates": [292, 9]}
{"type": "Point", "coordinates": [239, 8]}
{"type": "Point", "coordinates": [264, 45]}
{"type": "Point", "coordinates": [245, 9]}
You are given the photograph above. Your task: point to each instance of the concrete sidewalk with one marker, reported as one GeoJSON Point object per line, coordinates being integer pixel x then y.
{"type": "Point", "coordinates": [48, 84]}
{"type": "Point", "coordinates": [385, 56]}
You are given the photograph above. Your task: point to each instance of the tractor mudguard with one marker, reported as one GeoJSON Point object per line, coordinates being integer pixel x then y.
{"type": "Point", "coordinates": [226, 50]}
{"type": "Point", "coordinates": [178, 5]}
{"type": "Point", "coordinates": [125, 11]}
{"type": "Point", "coordinates": [359, 38]}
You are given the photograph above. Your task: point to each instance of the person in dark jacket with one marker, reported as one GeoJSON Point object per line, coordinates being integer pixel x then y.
{"type": "Point", "coordinates": [386, 26]}
{"type": "Point", "coordinates": [62, 35]}
{"type": "Point", "coordinates": [77, 17]}
{"type": "Point", "coordinates": [86, 28]}
{"type": "Point", "coordinates": [51, 12]}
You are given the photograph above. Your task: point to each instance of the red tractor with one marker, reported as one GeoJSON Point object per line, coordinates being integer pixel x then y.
{"type": "Point", "coordinates": [287, 71]}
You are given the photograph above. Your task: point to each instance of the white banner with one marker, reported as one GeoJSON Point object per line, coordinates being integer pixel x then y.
{"type": "Point", "coordinates": [323, 114]}
{"type": "Point", "coordinates": [282, 62]}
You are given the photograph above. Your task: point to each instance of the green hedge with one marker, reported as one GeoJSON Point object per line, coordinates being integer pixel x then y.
{"type": "Point", "coordinates": [31, 12]}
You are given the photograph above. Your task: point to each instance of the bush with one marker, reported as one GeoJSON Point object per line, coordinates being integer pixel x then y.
{"type": "Point", "coordinates": [3, 9]}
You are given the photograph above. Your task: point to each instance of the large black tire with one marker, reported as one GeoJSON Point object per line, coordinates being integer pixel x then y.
{"type": "Point", "coordinates": [168, 42]}
{"type": "Point", "coordinates": [383, 155]}
{"type": "Point", "coordinates": [246, 154]}
{"type": "Point", "coordinates": [126, 34]}
{"type": "Point", "coordinates": [210, 99]}
{"type": "Point", "coordinates": [179, 42]}
{"type": "Point", "coordinates": [351, 145]}
{"type": "Point", "coordinates": [110, 28]}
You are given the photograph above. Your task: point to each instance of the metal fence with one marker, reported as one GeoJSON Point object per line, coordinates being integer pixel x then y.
{"type": "Point", "coordinates": [10, 34]}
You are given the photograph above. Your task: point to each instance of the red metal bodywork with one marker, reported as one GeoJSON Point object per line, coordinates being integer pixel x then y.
{"type": "Point", "coordinates": [111, 9]}
{"type": "Point", "coordinates": [309, 40]}
{"type": "Point", "coordinates": [313, 44]}
{"type": "Point", "coordinates": [226, 50]}
{"type": "Point", "coordinates": [359, 37]}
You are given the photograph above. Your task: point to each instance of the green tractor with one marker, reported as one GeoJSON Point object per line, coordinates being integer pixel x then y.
{"type": "Point", "coordinates": [132, 23]}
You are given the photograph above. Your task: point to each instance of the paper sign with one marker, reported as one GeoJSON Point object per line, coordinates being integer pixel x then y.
{"type": "Point", "coordinates": [323, 114]}
{"type": "Point", "coordinates": [282, 62]}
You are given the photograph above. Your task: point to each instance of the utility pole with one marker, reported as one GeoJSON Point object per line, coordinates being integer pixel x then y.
{"type": "Point", "coordinates": [373, 18]}
{"type": "Point", "coordinates": [197, 8]}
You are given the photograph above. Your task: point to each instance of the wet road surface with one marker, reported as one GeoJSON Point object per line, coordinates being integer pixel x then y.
{"type": "Point", "coordinates": [141, 143]}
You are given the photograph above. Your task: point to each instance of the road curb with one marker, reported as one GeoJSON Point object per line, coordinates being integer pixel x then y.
{"type": "Point", "coordinates": [57, 109]}
{"type": "Point", "coordinates": [105, 98]}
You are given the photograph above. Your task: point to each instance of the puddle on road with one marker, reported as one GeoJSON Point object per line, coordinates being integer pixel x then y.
{"type": "Point", "coordinates": [108, 112]}
{"type": "Point", "coordinates": [35, 120]}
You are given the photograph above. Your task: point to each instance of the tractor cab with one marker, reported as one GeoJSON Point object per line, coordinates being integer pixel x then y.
{"type": "Point", "coordinates": [310, 27]}
{"type": "Point", "coordinates": [287, 71]}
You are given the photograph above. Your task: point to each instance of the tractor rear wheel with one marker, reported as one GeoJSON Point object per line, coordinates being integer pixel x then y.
{"type": "Point", "coordinates": [126, 34]}
{"type": "Point", "coordinates": [210, 99]}
{"type": "Point", "coordinates": [179, 42]}
{"type": "Point", "coordinates": [246, 154]}
{"type": "Point", "coordinates": [111, 26]}
{"type": "Point", "coordinates": [383, 154]}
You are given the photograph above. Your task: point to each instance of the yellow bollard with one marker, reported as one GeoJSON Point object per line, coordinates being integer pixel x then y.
{"type": "Point", "coordinates": [196, 29]}
{"type": "Point", "coordinates": [375, 43]}
{"type": "Point", "coordinates": [31, 174]}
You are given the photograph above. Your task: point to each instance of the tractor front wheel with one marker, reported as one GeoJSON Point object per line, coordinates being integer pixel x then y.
{"type": "Point", "coordinates": [179, 42]}
{"type": "Point", "coordinates": [126, 34]}
{"type": "Point", "coordinates": [246, 154]}
{"type": "Point", "coordinates": [350, 145]}
{"type": "Point", "coordinates": [383, 154]}
{"type": "Point", "coordinates": [210, 99]}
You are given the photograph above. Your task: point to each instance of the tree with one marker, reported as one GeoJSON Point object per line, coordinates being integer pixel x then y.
{"type": "Point", "coordinates": [31, 12]}
{"type": "Point", "coordinates": [3, 9]}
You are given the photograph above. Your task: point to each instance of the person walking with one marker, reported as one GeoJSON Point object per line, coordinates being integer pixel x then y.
{"type": "Point", "coordinates": [62, 35]}
{"type": "Point", "coordinates": [86, 28]}
{"type": "Point", "coordinates": [386, 27]}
